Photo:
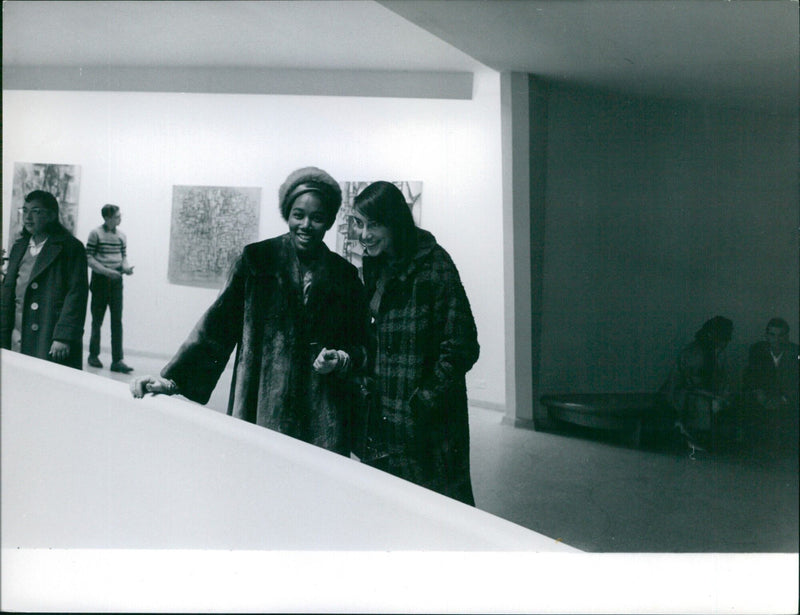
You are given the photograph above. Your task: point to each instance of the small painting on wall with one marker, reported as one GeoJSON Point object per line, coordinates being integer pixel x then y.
{"type": "Point", "coordinates": [347, 244]}
{"type": "Point", "coordinates": [61, 180]}
{"type": "Point", "coordinates": [210, 227]}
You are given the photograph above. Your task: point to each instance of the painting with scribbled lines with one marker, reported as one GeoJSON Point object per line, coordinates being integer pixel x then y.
{"type": "Point", "coordinates": [210, 227]}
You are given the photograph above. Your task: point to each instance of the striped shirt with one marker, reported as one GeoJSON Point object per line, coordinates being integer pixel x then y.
{"type": "Point", "coordinates": [107, 247]}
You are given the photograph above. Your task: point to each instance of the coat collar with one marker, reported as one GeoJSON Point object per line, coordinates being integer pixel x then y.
{"type": "Point", "coordinates": [51, 249]}
{"type": "Point", "coordinates": [289, 253]}
{"type": "Point", "coordinates": [425, 244]}
{"type": "Point", "coordinates": [399, 275]}
{"type": "Point", "coordinates": [277, 257]}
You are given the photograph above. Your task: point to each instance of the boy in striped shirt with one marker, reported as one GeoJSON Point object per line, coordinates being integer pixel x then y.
{"type": "Point", "coordinates": [107, 258]}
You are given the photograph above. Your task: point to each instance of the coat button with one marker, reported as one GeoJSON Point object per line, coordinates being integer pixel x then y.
{"type": "Point", "coordinates": [35, 285]}
{"type": "Point", "coordinates": [34, 306]}
{"type": "Point", "coordinates": [34, 327]}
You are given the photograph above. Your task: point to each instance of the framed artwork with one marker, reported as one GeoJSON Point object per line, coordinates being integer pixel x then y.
{"type": "Point", "coordinates": [210, 227]}
{"type": "Point", "coordinates": [347, 244]}
{"type": "Point", "coordinates": [61, 180]}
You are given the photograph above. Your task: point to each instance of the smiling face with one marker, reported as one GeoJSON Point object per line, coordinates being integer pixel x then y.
{"type": "Point", "coordinates": [308, 222]}
{"type": "Point", "coordinates": [375, 238]}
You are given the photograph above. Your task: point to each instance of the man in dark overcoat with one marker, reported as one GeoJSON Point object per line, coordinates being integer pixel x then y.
{"type": "Point", "coordinates": [45, 290]}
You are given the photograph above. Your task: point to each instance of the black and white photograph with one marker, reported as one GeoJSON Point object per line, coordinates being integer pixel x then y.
{"type": "Point", "coordinates": [442, 306]}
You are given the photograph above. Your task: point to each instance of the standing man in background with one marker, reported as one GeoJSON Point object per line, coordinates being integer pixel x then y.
{"type": "Point", "coordinates": [106, 253]}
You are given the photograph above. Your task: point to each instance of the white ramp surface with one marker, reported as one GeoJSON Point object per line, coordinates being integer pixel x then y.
{"type": "Point", "coordinates": [84, 465]}
{"type": "Point", "coordinates": [111, 504]}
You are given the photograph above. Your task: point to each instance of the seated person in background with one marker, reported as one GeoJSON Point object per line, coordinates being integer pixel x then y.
{"type": "Point", "coordinates": [296, 314]}
{"type": "Point", "coordinates": [699, 385]}
{"type": "Point", "coordinates": [46, 287]}
{"type": "Point", "coordinates": [771, 380]}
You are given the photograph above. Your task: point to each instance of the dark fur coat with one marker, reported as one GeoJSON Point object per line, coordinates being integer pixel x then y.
{"type": "Point", "coordinates": [261, 312]}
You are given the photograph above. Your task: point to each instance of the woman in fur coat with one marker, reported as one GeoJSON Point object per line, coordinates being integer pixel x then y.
{"type": "Point", "coordinates": [424, 341]}
{"type": "Point", "coordinates": [46, 288]}
{"type": "Point", "coordinates": [296, 314]}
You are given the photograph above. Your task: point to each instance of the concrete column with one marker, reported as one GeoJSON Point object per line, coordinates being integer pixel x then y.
{"type": "Point", "coordinates": [524, 146]}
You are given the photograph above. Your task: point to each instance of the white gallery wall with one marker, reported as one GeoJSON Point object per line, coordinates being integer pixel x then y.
{"type": "Point", "coordinates": [134, 147]}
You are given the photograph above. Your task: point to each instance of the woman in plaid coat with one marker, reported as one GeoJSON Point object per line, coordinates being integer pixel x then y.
{"type": "Point", "coordinates": [424, 342]}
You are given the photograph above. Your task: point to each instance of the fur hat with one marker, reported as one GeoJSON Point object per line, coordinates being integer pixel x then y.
{"type": "Point", "coordinates": [310, 179]}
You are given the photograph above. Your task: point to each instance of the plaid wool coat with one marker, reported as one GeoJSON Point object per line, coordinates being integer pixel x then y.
{"type": "Point", "coordinates": [424, 341]}
{"type": "Point", "coordinates": [277, 336]}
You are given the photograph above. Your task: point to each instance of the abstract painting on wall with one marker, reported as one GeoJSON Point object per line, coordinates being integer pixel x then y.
{"type": "Point", "coordinates": [347, 244]}
{"type": "Point", "coordinates": [210, 227]}
{"type": "Point", "coordinates": [61, 180]}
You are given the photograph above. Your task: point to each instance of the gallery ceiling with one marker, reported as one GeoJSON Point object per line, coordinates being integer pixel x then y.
{"type": "Point", "coordinates": [729, 51]}
{"type": "Point", "coordinates": [294, 34]}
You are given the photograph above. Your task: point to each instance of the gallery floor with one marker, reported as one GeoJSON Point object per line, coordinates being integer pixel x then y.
{"type": "Point", "coordinates": [599, 495]}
